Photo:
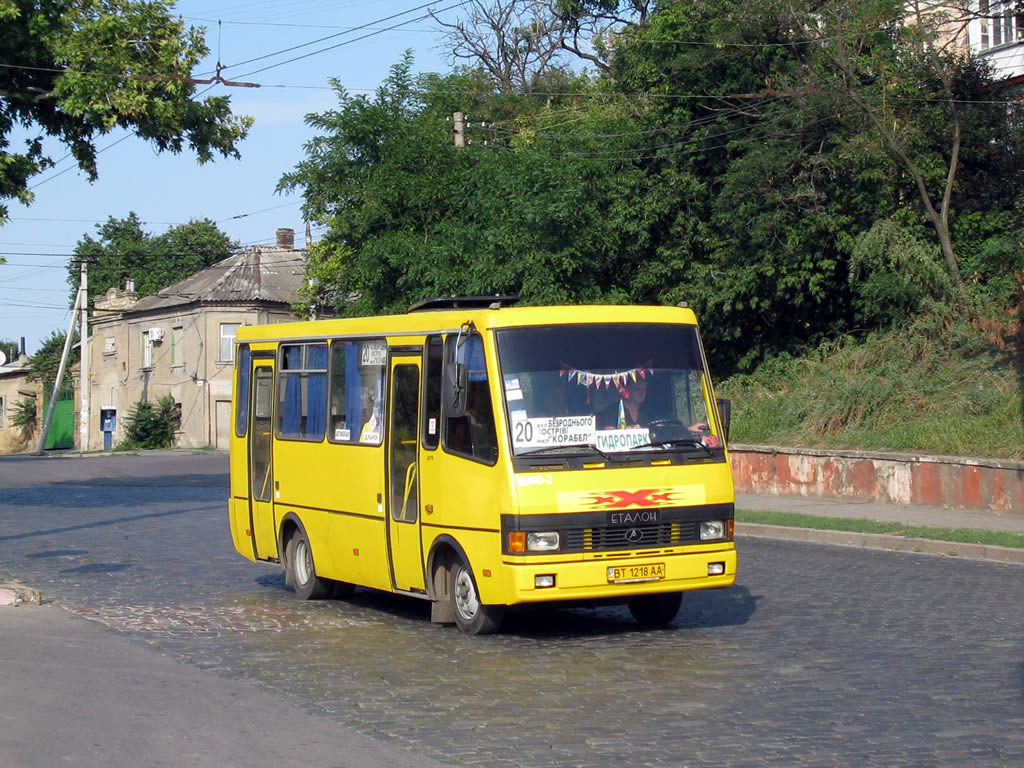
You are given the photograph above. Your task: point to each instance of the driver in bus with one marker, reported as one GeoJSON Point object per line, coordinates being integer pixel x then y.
{"type": "Point", "coordinates": [632, 409]}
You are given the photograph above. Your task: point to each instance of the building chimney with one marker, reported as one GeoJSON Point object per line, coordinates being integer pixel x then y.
{"type": "Point", "coordinates": [129, 285]}
{"type": "Point", "coordinates": [22, 347]}
{"type": "Point", "coordinates": [286, 238]}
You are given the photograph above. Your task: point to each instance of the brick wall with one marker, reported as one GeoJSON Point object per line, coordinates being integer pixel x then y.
{"type": "Point", "coordinates": [887, 477]}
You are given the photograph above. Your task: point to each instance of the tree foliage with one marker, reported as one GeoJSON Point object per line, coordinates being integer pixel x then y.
{"type": "Point", "coordinates": [123, 249]}
{"type": "Point", "coordinates": [76, 69]}
{"type": "Point", "coordinates": [150, 425]}
{"type": "Point", "coordinates": [10, 348]}
{"type": "Point", "coordinates": [45, 363]}
{"type": "Point", "coordinates": [791, 183]}
{"type": "Point", "coordinates": [25, 417]}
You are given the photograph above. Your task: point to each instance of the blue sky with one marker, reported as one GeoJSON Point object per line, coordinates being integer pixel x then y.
{"type": "Point", "coordinates": [238, 194]}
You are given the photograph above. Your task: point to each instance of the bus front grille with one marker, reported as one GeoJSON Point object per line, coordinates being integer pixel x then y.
{"type": "Point", "coordinates": [636, 537]}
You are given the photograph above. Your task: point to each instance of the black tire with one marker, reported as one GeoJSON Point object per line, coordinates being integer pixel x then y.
{"type": "Point", "coordinates": [308, 586]}
{"type": "Point", "coordinates": [656, 610]}
{"type": "Point", "coordinates": [471, 616]}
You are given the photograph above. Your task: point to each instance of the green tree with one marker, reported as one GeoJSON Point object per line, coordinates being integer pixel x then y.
{"type": "Point", "coordinates": [10, 348]}
{"type": "Point", "coordinates": [123, 249]}
{"type": "Point", "coordinates": [25, 418]}
{"type": "Point", "coordinates": [45, 363]}
{"type": "Point", "coordinates": [76, 69]}
{"type": "Point", "coordinates": [410, 215]}
{"type": "Point", "coordinates": [927, 104]}
{"type": "Point", "coordinates": [150, 426]}
{"type": "Point", "coordinates": [712, 165]}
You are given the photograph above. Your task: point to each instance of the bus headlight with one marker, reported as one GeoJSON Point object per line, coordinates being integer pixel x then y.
{"type": "Point", "coordinates": [545, 541]}
{"type": "Point", "coordinates": [712, 529]}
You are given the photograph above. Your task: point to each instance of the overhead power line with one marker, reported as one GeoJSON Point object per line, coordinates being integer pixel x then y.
{"type": "Point", "coordinates": [336, 34]}
{"type": "Point", "coordinates": [346, 42]}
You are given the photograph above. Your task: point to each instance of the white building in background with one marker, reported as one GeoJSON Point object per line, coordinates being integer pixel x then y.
{"type": "Point", "coordinates": [996, 34]}
{"type": "Point", "coordinates": [181, 341]}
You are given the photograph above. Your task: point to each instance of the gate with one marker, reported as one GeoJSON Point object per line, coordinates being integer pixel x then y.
{"type": "Point", "coordinates": [62, 428]}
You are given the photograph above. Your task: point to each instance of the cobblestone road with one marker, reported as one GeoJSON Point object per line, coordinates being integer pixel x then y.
{"type": "Point", "coordinates": [819, 656]}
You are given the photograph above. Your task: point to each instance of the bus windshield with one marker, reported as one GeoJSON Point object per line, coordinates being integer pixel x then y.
{"type": "Point", "coordinates": [607, 387]}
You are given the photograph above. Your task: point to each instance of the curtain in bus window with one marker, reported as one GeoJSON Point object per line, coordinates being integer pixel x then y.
{"type": "Point", "coordinates": [316, 421]}
{"type": "Point", "coordinates": [291, 412]}
{"type": "Point", "coordinates": [472, 354]}
{"type": "Point", "coordinates": [353, 390]}
{"type": "Point", "coordinates": [292, 357]}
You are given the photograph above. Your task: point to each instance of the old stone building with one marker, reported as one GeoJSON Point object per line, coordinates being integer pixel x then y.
{"type": "Point", "coordinates": [181, 341]}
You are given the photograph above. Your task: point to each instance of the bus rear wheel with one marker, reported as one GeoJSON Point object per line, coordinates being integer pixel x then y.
{"type": "Point", "coordinates": [655, 610]}
{"type": "Point", "coordinates": [308, 586]}
{"type": "Point", "coordinates": [472, 616]}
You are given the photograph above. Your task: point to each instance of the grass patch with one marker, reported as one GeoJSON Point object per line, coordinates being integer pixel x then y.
{"type": "Point", "coordinates": [962, 535]}
{"type": "Point", "coordinates": [937, 386]}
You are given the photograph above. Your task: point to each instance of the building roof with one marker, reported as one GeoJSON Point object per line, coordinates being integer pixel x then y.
{"type": "Point", "coordinates": [19, 367]}
{"type": "Point", "coordinates": [264, 273]}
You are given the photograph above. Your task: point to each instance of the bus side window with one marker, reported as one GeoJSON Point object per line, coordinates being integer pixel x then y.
{"type": "Point", "coordinates": [472, 434]}
{"type": "Point", "coordinates": [302, 389]}
{"type": "Point", "coordinates": [433, 357]}
{"type": "Point", "coordinates": [242, 365]}
{"type": "Point", "coordinates": [357, 391]}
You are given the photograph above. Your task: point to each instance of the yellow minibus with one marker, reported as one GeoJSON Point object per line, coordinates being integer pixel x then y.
{"type": "Point", "coordinates": [482, 455]}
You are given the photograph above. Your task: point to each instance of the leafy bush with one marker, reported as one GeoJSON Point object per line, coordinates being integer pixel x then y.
{"type": "Point", "coordinates": [152, 426]}
{"type": "Point", "coordinates": [25, 417]}
{"type": "Point", "coordinates": [896, 275]}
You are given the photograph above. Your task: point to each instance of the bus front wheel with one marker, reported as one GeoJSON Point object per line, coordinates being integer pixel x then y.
{"type": "Point", "coordinates": [308, 586]}
{"type": "Point", "coordinates": [472, 616]}
{"type": "Point", "coordinates": [655, 610]}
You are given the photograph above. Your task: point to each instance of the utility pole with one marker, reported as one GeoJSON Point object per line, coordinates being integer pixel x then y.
{"type": "Point", "coordinates": [60, 376]}
{"type": "Point", "coordinates": [459, 121]}
{"type": "Point", "coordinates": [83, 422]}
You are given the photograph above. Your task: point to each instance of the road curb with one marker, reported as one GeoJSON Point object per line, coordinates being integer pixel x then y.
{"type": "Point", "coordinates": [17, 594]}
{"type": "Point", "coordinates": [883, 541]}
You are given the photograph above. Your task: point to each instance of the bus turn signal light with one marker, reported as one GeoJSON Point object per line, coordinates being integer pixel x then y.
{"type": "Point", "coordinates": [517, 541]}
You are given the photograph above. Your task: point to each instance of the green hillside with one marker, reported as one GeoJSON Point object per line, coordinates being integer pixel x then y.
{"type": "Point", "coordinates": [943, 388]}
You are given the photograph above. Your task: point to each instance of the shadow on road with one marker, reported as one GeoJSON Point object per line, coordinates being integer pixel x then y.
{"type": "Point", "coordinates": [701, 609]}
{"type": "Point", "coordinates": [99, 524]}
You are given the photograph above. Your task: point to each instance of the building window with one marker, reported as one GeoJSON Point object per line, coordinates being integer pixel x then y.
{"type": "Point", "coordinates": [1000, 23]}
{"type": "Point", "coordinates": [3, 418]}
{"type": "Point", "coordinates": [147, 350]}
{"type": "Point", "coordinates": [228, 331]}
{"type": "Point", "coordinates": [177, 351]}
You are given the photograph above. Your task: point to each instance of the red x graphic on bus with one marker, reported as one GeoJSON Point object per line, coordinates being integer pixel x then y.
{"type": "Point", "coordinates": [647, 497]}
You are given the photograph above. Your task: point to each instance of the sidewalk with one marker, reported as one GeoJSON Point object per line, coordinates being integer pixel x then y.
{"type": "Point", "coordinates": [906, 514]}
{"type": "Point", "coordinates": [79, 694]}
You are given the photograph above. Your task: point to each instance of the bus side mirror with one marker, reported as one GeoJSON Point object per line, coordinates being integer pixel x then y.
{"type": "Point", "coordinates": [455, 378]}
{"type": "Point", "coordinates": [725, 414]}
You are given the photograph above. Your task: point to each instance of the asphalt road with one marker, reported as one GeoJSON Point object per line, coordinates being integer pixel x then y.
{"type": "Point", "coordinates": [819, 655]}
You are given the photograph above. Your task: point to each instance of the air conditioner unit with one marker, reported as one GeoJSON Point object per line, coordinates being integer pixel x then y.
{"type": "Point", "coordinates": [156, 334]}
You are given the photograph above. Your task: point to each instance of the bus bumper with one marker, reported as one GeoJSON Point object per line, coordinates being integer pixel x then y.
{"type": "Point", "coordinates": [621, 577]}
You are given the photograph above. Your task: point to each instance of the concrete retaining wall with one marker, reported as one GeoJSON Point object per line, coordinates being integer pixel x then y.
{"type": "Point", "coordinates": [943, 481]}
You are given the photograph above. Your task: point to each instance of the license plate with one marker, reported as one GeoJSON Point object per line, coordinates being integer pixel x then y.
{"type": "Point", "coordinates": [625, 574]}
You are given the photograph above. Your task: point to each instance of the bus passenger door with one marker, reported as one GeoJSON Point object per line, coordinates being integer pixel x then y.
{"type": "Point", "coordinates": [261, 464]}
{"type": "Point", "coordinates": [404, 545]}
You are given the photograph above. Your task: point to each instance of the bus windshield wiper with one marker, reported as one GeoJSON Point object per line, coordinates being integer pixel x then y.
{"type": "Point", "coordinates": [676, 443]}
{"type": "Point", "coordinates": [573, 446]}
